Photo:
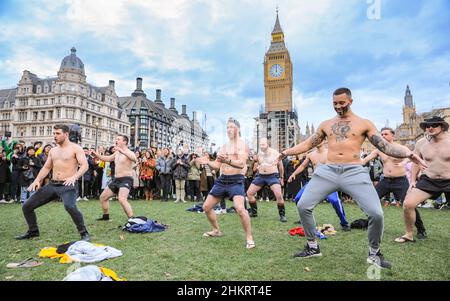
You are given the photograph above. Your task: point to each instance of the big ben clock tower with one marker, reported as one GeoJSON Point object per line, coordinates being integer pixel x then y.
{"type": "Point", "coordinates": [278, 73]}
{"type": "Point", "coordinates": [278, 121]}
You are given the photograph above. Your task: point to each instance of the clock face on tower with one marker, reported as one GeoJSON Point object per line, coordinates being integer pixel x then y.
{"type": "Point", "coordinates": [276, 70]}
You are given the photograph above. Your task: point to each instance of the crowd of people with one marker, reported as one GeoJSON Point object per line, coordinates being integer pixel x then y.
{"type": "Point", "coordinates": [328, 165]}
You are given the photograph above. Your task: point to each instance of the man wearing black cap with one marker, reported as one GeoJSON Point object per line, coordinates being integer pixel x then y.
{"type": "Point", "coordinates": [435, 179]}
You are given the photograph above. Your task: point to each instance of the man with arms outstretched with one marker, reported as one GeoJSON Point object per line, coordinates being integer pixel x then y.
{"type": "Point", "coordinates": [343, 171]}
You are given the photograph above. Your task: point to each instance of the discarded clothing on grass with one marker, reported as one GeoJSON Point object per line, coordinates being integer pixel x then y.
{"type": "Point", "coordinates": [327, 229]}
{"type": "Point", "coordinates": [93, 273]}
{"type": "Point", "coordinates": [300, 231]}
{"type": "Point", "coordinates": [143, 225]}
{"type": "Point", "coordinates": [196, 208]}
{"type": "Point", "coordinates": [360, 224]}
{"type": "Point", "coordinates": [82, 251]}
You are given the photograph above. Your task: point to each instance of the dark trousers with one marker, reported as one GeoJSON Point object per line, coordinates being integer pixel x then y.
{"type": "Point", "coordinates": [194, 190]}
{"type": "Point", "coordinates": [14, 188]}
{"type": "Point", "coordinates": [166, 183]}
{"type": "Point", "coordinates": [50, 192]}
{"type": "Point", "coordinates": [399, 187]}
{"type": "Point", "coordinates": [86, 190]}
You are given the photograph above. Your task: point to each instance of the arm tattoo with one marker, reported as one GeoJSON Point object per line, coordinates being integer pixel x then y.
{"type": "Point", "coordinates": [388, 148]}
{"type": "Point", "coordinates": [317, 138]}
{"type": "Point", "coordinates": [340, 129]}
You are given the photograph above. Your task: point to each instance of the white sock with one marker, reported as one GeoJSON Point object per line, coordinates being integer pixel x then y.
{"type": "Point", "coordinates": [312, 244]}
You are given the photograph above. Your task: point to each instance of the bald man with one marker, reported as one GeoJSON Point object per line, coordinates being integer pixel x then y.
{"type": "Point", "coordinates": [268, 173]}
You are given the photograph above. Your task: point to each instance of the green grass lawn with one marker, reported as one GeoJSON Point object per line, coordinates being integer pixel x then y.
{"type": "Point", "coordinates": [180, 253]}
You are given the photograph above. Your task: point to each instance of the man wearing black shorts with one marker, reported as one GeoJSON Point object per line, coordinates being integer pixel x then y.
{"type": "Point", "coordinates": [122, 182]}
{"type": "Point", "coordinates": [435, 179]}
{"type": "Point", "coordinates": [394, 178]}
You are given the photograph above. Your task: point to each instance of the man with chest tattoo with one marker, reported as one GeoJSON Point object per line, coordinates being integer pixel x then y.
{"type": "Point", "coordinates": [67, 163]}
{"type": "Point", "coordinates": [122, 181]}
{"type": "Point", "coordinates": [394, 177]}
{"type": "Point", "coordinates": [435, 180]}
{"type": "Point", "coordinates": [269, 171]}
{"type": "Point", "coordinates": [343, 171]}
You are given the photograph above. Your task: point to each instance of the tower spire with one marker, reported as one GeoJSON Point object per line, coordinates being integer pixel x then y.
{"type": "Point", "coordinates": [408, 97]}
{"type": "Point", "coordinates": [277, 27]}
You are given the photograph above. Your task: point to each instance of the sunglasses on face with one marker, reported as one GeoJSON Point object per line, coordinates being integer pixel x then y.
{"type": "Point", "coordinates": [434, 125]}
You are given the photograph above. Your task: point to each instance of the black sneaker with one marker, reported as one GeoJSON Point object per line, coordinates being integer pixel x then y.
{"type": "Point", "coordinates": [379, 261]}
{"type": "Point", "coordinates": [299, 222]}
{"type": "Point", "coordinates": [309, 252]}
{"type": "Point", "coordinates": [346, 228]}
{"type": "Point", "coordinates": [422, 235]}
{"type": "Point", "coordinates": [283, 219]}
{"type": "Point", "coordinates": [85, 237]}
{"type": "Point", "coordinates": [28, 235]}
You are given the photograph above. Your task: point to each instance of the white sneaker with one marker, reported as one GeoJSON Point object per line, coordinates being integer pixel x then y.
{"type": "Point", "coordinates": [267, 200]}
{"type": "Point", "coordinates": [176, 201]}
{"type": "Point", "coordinates": [261, 200]}
{"type": "Point", "coordinates": [3, 201]}
{"type": "Point", "coordinates": [224, 211]}
{"type": "Point", "coordinates": [183, 201]}
{"type": "Point", "coordinates": [85, 199]}
{"type": "Point", "coordinates": [79, 199]}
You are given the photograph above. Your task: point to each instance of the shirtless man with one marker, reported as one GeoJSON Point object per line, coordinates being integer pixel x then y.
{"type": "Point", "coordinates": [68, 163]}
{"type": "Point", "coordinates": [231, 160]}
{"type": "Point", "coordinates": [122, 181]}
{"type": "Point", "coordinates": [434, 180]}
{"type": "Point", "coordinates": [343, 171]}
{"type": "Point", "coordinates": [317, 157]}
{"type": "Point", "coordinates": [394, 177]}
{"type": "Point", "coordinates": [269, 171]}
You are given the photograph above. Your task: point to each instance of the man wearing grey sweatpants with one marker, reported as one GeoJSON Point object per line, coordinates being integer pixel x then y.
{"type": "Point", "coordinates": [343, 171]}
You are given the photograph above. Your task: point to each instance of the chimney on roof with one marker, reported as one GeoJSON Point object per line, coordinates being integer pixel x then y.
{"type": "Point", "coordinates": [194, 116]}
{"type": "Point", "coordinates": [172, 103]}
{"type": "Point", "coordinates": [158, 94]}
{"type": "Point", "coordinates": [183, 111]}
{"type": "Point", "coordinates": [158, 98]}
{"type": "Point", "coordinates": [139, 84]}
{"type": "Point", "coordinates": [138, 91]}
{"type": "Point", "coordinates": [112, 84]}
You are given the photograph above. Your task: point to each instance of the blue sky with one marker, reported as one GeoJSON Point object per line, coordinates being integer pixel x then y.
{"type": "Point", "coordinates": [208, 54]}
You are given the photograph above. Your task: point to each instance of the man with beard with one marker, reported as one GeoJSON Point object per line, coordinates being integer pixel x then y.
{"type": "Point", "coordinates": [343, 171]}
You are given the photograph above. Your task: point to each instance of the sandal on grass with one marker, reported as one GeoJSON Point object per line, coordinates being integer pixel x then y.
{"type": "Point", "coordinates": [404, 239]}
{"type": "Point", "coordinates": [250, 245]}
{"type": "Point", "coordinates": [212, 234]}
{"type": "Point", "coordinates": [28, 263]}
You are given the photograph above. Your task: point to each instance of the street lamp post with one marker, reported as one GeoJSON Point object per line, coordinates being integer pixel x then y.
{"type": "Point", "coordinates": [96, 134]}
